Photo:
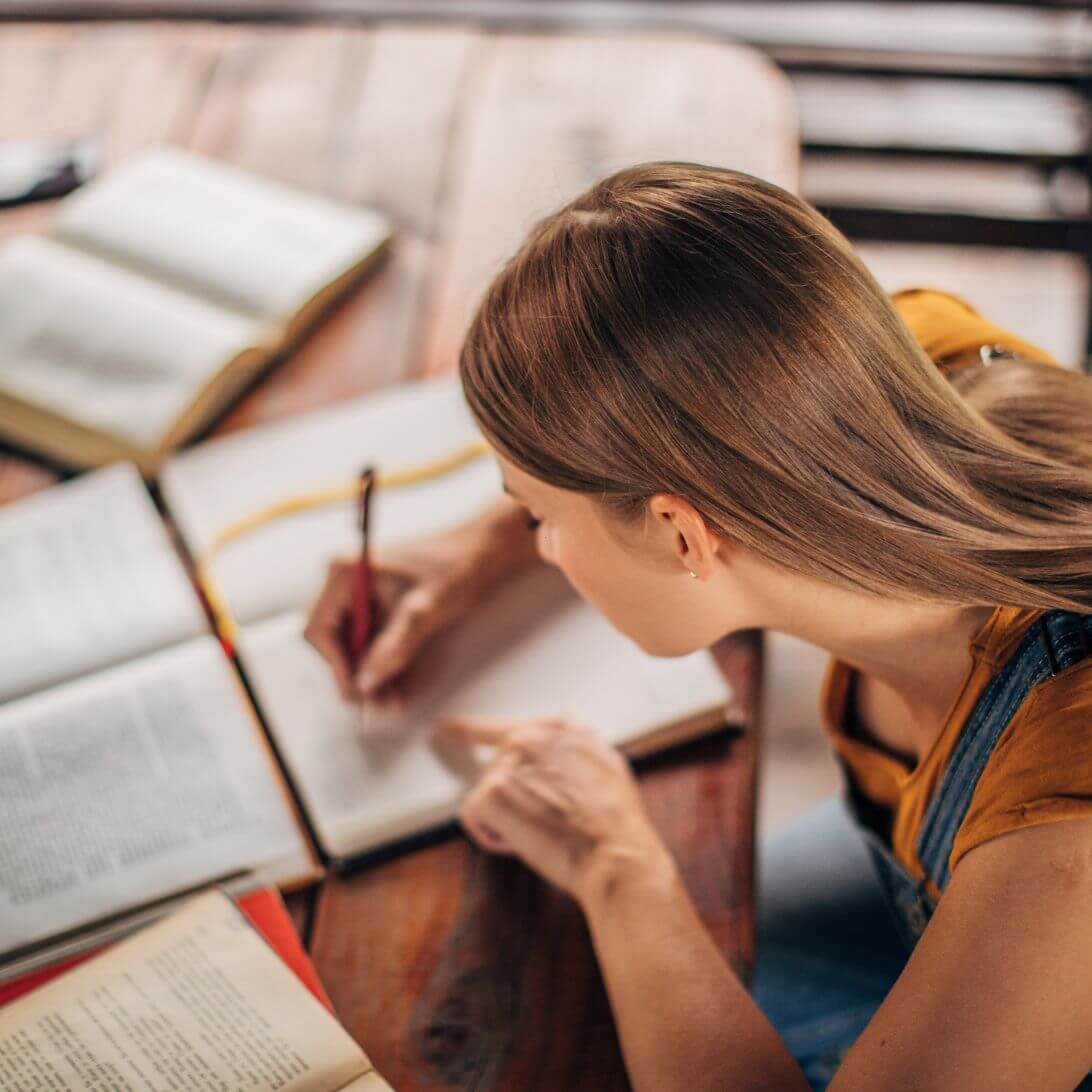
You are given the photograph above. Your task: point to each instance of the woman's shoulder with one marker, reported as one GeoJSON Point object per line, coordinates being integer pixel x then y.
{"type": "Point", "coordinates": [1040, 769]}
{"type": "Point", "coordinates": [951, 330]}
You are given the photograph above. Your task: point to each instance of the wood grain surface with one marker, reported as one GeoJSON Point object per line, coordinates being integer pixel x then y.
{"type": "Point", "coordinates": [453, 969]}
{"type": "Point", "coordinates": [459, 970]}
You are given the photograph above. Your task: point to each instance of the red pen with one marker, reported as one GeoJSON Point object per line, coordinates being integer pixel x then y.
{"type": "Point", "coordinates": [361, 619]}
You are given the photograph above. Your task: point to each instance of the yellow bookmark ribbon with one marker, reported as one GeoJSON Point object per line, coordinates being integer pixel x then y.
{"type": "Point", "coordinates": [223, 620]}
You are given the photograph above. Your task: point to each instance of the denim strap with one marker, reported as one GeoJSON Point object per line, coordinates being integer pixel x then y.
{"type": "Point", "coordinates": [1056, 641]}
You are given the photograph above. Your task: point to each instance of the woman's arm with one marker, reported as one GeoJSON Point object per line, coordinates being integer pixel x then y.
{"type": "Point", "coordinates": [569, 806]}
{"type": "Point", "coordinates": [684, 1019]}
{"type": "Point", "coordinates": [998, 991]}
{"type": "Point", "coordinates": [996, 995]}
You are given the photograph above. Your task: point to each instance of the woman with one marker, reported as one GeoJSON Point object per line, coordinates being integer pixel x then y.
{"type": "Point", "coordinates": [715, 419]}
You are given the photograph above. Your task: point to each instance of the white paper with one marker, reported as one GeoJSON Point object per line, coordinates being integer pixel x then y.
{"type": "Point", "coordinates": [534, 648]}
{"type": "Point", "coordinates": [103, 346]}
{"type": "Point", "coordinates": [132, 784]}
{"type": "Point", "coordinates": [282, 564]}
{"type": "Point", "coordinates": [88, 578]}
{"type": "Point", "coordinates": [246, 241]}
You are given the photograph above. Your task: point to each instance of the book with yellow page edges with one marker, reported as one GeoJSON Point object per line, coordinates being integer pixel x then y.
{"type": "Point", "coordinates": [159, 293]}
{"type": "Point", "coordinates": [197, 1001]}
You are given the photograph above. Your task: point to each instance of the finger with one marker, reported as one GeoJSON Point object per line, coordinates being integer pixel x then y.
{"type": "Point", "coordinates": [533, 737]}
{"type": "Point", "coordinates": [485, 835]}
{"type": "Point", "coordinates": [388, 587]}
{"type": "Point", "coordinates": [528, 791]}
{"type": "Point", "coordinates": [557, 725]}
{"type": "Point", "coordinates": [323, 630]}
{"type": "Point", "coordinates": [332, 651]}
{"type": "Point", "coordinates": [494, 810]}
{"type": "Point", "coordinates": [395, 645]}
{"type": "Point", "coordinates": [471, 809]}
{"type": "Point", "coordinates": [477, 730]}
{"type": "Point", "coordinates": [391, 695]}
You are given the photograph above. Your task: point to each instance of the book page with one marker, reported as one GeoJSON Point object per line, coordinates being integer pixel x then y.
{"type": "Point", "coordinates": [281, 564]}
{"type": "Point", "coordinates": [133, 784]}
{"type": "Point", "coordinates": [104, 346]}
{"type": "Point", "coordinates": [238, 238]}
{"type": "Point", "coordinates": [370, 1082]}
{"type": "Point", "coordinates": [88, 577]}
{"type": "Point", "coordinates": [534, 648]}
{"type": "Point", "coordinates": [198, 1002]}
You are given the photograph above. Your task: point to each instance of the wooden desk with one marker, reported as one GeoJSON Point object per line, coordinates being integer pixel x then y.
{"type": "Point", "coordinates": [454, 970]}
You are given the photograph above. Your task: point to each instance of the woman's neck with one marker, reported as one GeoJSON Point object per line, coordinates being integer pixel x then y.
{"type": "Point", "coordinates": [917, 652]}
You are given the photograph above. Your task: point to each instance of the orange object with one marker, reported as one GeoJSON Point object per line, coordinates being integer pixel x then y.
{"type": "Point", "coordinates": [1041, 768]}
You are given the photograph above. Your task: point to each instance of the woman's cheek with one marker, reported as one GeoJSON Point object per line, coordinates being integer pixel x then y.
{"type": "Point", "coordinates": [552, 549]}
{"type": "Point", "coordinates": [542, 543]}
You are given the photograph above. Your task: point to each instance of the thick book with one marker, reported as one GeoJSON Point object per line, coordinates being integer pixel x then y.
{"type": "Point", "coordinates": [534, 647]}
{"type": "Point", "coordinates": [264, 909]}
{"type": "Point", "coordinates": [133, 769]}
{"type": "Point", "coordinates": [197, 1000]}
{"type": "Point", "coordinates": [159, 293]}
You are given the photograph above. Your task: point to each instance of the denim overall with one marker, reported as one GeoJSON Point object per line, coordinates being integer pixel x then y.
{"type": "Point", "coordinates": [1056, 641]}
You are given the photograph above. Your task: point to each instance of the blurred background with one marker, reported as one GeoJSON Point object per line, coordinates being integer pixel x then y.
{"type": "Point", "coordinates": [950, 141]}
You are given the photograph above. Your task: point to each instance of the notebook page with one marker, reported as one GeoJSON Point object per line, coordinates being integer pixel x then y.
{"type": "Point", "coordinates": [134, 784]}
{"type": "Point", "coordinates": [198, 1000]}
{"type": "Point", "coordinates": [282, 564]}
{"type": "Point", "coordinates": [105, 347]}
{"type": "Point", "coordinates": [243, 240]}
{"type": "Point", "coordinates": [88, 578]}
{"type": "Point", "coordinates": [515, 657]}
{"type": "Point", "coordinates": [533, 649]}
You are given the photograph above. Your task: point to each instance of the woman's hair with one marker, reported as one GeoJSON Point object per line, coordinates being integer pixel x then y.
{"type": "Point", "coordinates": [694, 330]}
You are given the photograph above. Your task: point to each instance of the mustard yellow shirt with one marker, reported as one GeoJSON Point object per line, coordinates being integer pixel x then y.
{"type": "Point", "coordinates": [1040, 770]}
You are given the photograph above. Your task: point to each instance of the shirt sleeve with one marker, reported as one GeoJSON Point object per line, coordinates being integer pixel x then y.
{"type": "Point", "coordinates": [1040, 770]}
{"type": "Point", "coordinates": [950, 330]}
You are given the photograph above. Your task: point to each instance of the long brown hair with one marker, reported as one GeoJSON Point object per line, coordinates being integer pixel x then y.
{"type": "Point", "coordinates": [695, 330]}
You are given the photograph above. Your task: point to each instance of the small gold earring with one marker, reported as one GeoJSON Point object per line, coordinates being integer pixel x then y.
{"type": "Point", "coordinates": [692, 573]}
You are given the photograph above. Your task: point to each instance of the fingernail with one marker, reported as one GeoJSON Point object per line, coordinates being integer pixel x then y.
{"type": "Point", "coordinates": [366, 680]}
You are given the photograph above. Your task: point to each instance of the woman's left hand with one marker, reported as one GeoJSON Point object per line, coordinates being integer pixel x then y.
{"type": "Point", "coordinates": [562, 801]}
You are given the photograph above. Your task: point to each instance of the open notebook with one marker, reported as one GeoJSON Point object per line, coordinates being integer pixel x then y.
{"type": "Point", "coordinates": [197, 1001]}
{"type": "Point", "coordinates": [158, 294]}
{"type": "Point", "coordinates": [132, 766]}
{"type": "Point", "coordinates": [534, 648]}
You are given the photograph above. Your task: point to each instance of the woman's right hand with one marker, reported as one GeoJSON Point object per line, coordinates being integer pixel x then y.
{"type": "Point", "coordinates": [421, 588]}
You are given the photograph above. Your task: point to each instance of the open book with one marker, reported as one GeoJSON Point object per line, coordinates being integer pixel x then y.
{"type": "Point", "coordinates": [533, 648]}
{"type": "Point", "coordinates": [198, 1000]}
{"type": "Point", "coordinates": [264, 909]}
{"type": "Point", "coordinates": [160, 292]}
{"type": "Point", "coordinates": [132, 766]}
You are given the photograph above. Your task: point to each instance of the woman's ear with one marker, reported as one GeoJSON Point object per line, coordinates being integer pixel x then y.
{"type": "Point", "coordinates": [696, 545]}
